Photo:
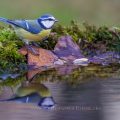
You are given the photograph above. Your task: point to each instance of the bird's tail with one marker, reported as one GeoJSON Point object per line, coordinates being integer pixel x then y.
{"type": "Point", "coordinates": [4, 20]}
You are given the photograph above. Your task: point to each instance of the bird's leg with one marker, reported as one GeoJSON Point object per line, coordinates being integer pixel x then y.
{"type": "Point", "coordinates": [31, 49]}
{"type": "Point", "coordinates": [35, 44]}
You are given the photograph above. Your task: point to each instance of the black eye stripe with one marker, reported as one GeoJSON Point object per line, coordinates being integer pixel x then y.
{"type": "Point", "coordinates": [50, 19]}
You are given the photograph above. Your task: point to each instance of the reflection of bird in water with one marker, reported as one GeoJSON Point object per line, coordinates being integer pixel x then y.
{"type": "Point", "coordinates": [32, 30]}
{"type": "Point", "coordinates": [34, 93]}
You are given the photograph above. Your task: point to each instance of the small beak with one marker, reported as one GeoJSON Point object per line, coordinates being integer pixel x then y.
{"type": "Point", "coordinates": [56, 20]}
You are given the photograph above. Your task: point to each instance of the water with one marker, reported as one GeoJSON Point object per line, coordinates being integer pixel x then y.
{"type": "Point", "coordinates": [86, 93]}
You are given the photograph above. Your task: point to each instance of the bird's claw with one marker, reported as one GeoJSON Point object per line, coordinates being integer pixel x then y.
{"type": "Point", "coordinates": [31, 49]}
{"type": "Point", "coordinates": [35, 44]}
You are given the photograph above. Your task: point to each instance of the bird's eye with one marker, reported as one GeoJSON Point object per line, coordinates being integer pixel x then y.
{"type": "Point", "coordinates": [50, 19]}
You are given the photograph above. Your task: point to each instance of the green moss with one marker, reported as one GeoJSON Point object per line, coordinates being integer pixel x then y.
{"type": "Point", "coordinates": [9, 45]}
{"type": "Point", "coordinates": [90, 38]}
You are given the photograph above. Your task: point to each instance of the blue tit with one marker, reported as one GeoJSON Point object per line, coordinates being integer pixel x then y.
{"type": "Point", "coordinates": [35, 93]}
{"type": "Point", "coordinates": [32, 30]}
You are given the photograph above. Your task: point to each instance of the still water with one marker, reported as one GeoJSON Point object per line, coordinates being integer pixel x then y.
{"type": "Point", "coordinates": [68, 93]}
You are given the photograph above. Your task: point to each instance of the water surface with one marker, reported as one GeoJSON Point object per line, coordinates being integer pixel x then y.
{"type": "Point", "coordinates": [86, 93]}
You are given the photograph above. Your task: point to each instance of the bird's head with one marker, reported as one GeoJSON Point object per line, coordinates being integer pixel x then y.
{"type": "Point", "coordinates": [47, 103]}
{"type": "Point", "coordinates": [47, 21]}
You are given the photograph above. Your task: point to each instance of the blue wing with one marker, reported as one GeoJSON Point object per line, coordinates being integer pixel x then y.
{"type": "Point", "coordinates": [33, 98]}
{"type": "Point", "coordinates": [29, 25]}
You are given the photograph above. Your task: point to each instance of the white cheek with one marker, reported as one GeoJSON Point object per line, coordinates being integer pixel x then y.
{"type": "Point", "coordinates": [48, 24]}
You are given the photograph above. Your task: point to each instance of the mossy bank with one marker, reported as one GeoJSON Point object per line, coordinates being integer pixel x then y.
{"type": "Point", "coordinates": [90, 39]}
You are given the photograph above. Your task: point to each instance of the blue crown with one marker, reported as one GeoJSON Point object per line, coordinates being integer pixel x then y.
{"type": "Point", "coordinates": [46, 16]}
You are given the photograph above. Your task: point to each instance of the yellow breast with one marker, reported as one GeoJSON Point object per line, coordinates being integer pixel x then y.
{"type": "Point", "coordinates": [33, 37]}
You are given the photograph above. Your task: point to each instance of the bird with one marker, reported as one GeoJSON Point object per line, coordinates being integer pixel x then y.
{"type": "Point", "coordinates": [37, 94]}
{"type": "Point", "coordinates": [32, 30]}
